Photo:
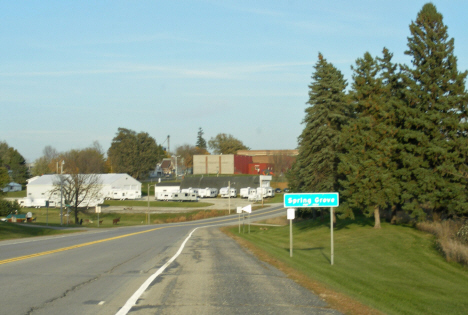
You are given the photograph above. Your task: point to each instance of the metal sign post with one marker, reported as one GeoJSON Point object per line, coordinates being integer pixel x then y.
{"type": "Point", "coordinates": [315, 200]}
{"type": "Point", "coordinates": [331, 235]}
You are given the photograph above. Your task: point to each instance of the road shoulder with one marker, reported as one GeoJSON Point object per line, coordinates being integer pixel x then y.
{"type": "Point", "coordinates": [336, 300]}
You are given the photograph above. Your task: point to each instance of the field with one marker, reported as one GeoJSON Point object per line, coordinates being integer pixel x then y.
{"type": "Point", "coordinates": [396, 270]}
{"type": "Point", "coordinates": [165, 204]}
{"type": "Point", "coordinates": [16, 194]}
{"type": "Point", "coordinates": [12, 231]}
{"type": "Point", "coordinates": [51, 217]}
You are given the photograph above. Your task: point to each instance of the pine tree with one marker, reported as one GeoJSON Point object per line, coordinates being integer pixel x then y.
{"type": "Point", "coordinates": [433, 139]}
{"type": "Point", "coordinates": [315, 169]}
{"type": "Point", "coordinates": [369, 143]}
{"type": "Point", "coordinates": [201, 142]}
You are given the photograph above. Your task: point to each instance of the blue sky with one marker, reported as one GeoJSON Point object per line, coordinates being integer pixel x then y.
{"type": "Point", "coordinates": [72, 72]}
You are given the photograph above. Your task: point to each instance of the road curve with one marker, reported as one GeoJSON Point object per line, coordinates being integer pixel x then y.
{"type": "Point", "coordinates": [97, 273]}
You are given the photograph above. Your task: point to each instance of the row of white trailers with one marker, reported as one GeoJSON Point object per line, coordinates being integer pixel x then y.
{"type": "Point", "coordinates": [193, 194]}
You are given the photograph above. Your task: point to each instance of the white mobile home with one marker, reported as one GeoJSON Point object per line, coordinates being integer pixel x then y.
{"type": "Point", "coordinates": [246, 192]}
{"type": "Point", "coordinates": [163, 189]}
{"type": "Point", "coordinates": [165, 192]}
{"type": "Point", "coordinates": [191, 190]}
{"type": "Point", "coordinates": [266, 192]}
{"type": "Point", "coordinates": [183, 196]}
{"type": "Point", "coordinates": [208, 192]}
{"type": "Point", "coordinates": [165, 196]}
{"type": "Point", "coordinates": [225, 193]}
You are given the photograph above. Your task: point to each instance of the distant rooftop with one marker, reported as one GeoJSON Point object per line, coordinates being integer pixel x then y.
{"type": "Point", "coordinates": [268, 152]}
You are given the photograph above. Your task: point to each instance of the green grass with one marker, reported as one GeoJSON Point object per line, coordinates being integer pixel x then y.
{"type": "Point", "coordinates": [396, 269]}
{"type": "Point", "coordinates": [16, 194]}
{"type": "Point", "coordinates": [52, 217]}
{"type": "Point", "coordinates": [165, 204]}
{"type": "Point", "coordinates": [278, 198]}
{"type": "Point", "coordinates": [12, 231]}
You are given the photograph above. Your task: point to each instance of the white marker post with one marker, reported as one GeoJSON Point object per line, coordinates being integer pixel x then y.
{"type": "Point", "coordinates": [291, 215]}
{"type": "Point", "coordinates": [248, 209]}
{"type": "Point", "coordinates": [98, 210]}
{"type": "Point", "coordinates": [239, 211]}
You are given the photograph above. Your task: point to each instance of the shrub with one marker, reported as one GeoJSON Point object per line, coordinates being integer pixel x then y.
{"type": "Point", "coordinates": [462, 234]}
{"type": "Point", "coordinates": [454, 251]}
{"type": "Point", "coordinates": [452, 238]}
{"type": "Point", "coordinates": [7, 207]}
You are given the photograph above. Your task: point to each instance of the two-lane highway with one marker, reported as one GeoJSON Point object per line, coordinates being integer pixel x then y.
{"type": "Point", "coordinates": [98, 272]}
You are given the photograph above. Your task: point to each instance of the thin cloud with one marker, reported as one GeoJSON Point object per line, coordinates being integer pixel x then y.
{"type": "Point", "coordinates": [227, 71]}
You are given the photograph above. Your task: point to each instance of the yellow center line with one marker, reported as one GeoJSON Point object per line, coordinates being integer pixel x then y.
{"type": "Point", "coordinates": [6, 261]}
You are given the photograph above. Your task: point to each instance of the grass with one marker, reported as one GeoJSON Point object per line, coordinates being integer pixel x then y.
{"type": "Point", "coordinates": [396, 269]}
{"type": "Point", "coordinates": [52, 217]}
{"type": "Point", "coordinates": [12, 231]}
{"type": "Point", "coordinates": [450, 238]}
{"type": "Point", "coordinates": [16, 194]}
{"type": "Point", "coordinates": [165, 204]}
{"type": "Point", "coordinates": [278, 198]}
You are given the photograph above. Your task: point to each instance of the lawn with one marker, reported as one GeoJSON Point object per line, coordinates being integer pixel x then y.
{"type": "Point", "coordinates": [278, 198]}
{"type": "Point", "coordinates": [90, 218]}
{"type": "Point", "coordinates": [12, 230]}
{"type": "Point", "coordinates": [165, 204]}
{"type": "Point", "coordinates": [396, 269]}
{"type": "Point", "coordinates": [16, 194]}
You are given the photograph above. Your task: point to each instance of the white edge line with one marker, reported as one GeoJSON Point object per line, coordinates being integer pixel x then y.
{"type": "Point", "coordinates": [134, 298]}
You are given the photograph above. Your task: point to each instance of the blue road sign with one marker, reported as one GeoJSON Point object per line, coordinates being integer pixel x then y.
{"type": "Point", "coordinates": [311, 200]}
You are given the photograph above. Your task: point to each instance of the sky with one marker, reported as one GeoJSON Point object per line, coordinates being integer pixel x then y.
{"type": "Point", "coordinates": [73, 72]}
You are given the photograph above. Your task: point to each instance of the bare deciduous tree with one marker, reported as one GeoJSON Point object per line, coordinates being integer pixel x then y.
{"type": "Point", "coordinates": [78, 190]}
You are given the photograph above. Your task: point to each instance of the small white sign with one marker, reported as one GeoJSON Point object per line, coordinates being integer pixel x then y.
{"type": "Point", "coordinates": [247, 209]}
{"type": "Point", "coordinates": [239, 209]}
{"type": "Point", "coordinates": [98, 209]}
{"type": "Point", "coordinates": [291, 213]}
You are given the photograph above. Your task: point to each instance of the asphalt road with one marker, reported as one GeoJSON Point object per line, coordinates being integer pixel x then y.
{"type": "Point", "coordinates": [100, 271]}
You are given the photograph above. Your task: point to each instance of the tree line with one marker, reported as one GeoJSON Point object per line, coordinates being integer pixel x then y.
{"type": "Point", "coordinates": [130, 152]}
{"type": "Point", "coordinates": [398, 139]}
{"type": "Point", "coordinates": [136, 154]}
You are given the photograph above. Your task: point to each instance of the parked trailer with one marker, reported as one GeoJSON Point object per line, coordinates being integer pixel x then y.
{"type": "Point", "coordinates": [213, 192]}
{"type": "Point", "coordinates": [266, 192]}
{"type": "Point", "coordinates": [165, 196]}
{"type": "Point", "coordinates": [191, 190]}
{"type": "Point", "coordinates": [224, 192]}
{"type": "Point", "coordinates": [207, 192]}
{"type": "Point", "coordinates": [29, 202]}
{"type": "Point", "coordinates": [246, 192]}
{"type": "Point", "coordinates": [183, 196]}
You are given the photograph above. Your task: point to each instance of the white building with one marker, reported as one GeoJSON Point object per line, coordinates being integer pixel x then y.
{"type": "Point", "coordinates": [111, 186]}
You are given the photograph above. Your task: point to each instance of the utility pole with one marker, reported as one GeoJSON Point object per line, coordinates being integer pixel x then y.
{"type": "Point", "coordinates": [61, 193]}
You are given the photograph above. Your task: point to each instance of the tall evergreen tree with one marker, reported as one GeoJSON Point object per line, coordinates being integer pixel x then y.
{"type": "Point", "coordinates": [315, 169]}
{"type": "Point", "coordinates": [201, 142]}
{"type": "Point", "coordinates": [14, 162]}
{"type": "Point", "coordinates": [369, 143]}
{"type": "Point", "coordinates": [433, 139]}
{"type": "Point", "coordinates": [4, 178]}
